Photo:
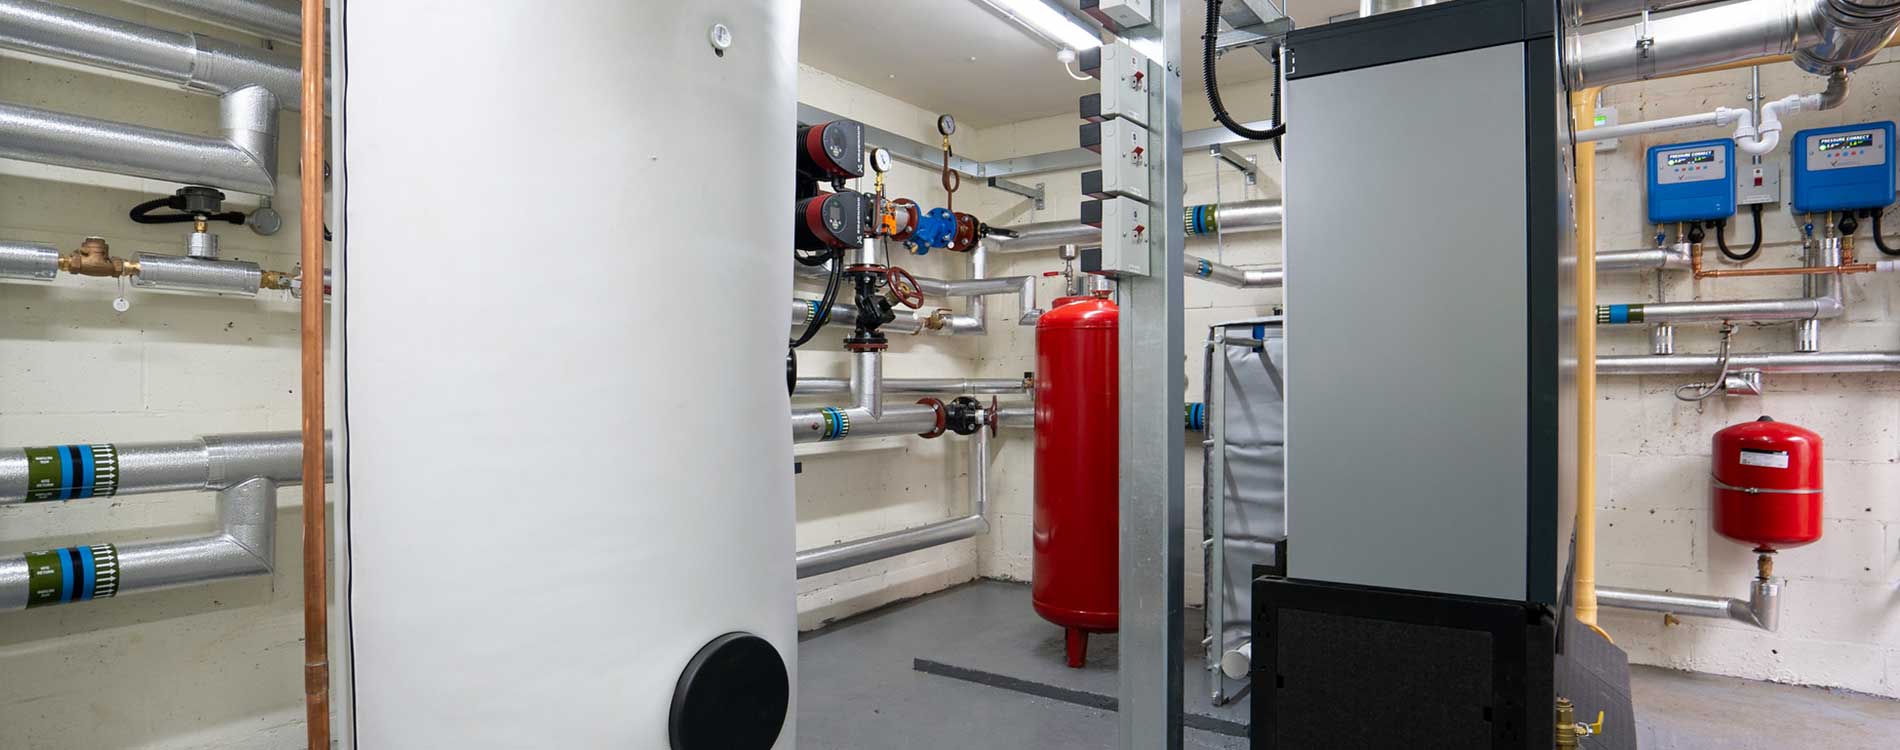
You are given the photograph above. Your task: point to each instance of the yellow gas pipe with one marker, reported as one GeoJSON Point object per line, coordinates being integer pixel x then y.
{"type": "Point", "coordinates": [1583, 110]}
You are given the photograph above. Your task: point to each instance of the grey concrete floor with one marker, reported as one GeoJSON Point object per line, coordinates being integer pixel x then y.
{"type": "Point", "coordinates": [859, 690]}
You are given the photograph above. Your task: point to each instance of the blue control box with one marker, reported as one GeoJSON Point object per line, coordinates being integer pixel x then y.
{"type": "Point", "coordinates": [1692, 181]}
{"type": "Point", "coordinates": [1843, 168]}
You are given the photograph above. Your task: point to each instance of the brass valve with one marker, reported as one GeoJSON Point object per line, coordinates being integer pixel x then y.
{"type": "Point", "coordinates": [1569, 730]}
{"type": "Point", "coordinates": [94, 258]}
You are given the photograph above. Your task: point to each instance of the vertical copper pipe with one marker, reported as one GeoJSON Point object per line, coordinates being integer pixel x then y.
{"type": "Point", "coordinates": [316, 584]}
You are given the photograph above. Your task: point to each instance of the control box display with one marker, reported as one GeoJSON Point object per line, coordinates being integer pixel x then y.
{"type": "Point", "coordinates": [1692, 181]}
{"type": "Point", "coordinates": [1843, 168]}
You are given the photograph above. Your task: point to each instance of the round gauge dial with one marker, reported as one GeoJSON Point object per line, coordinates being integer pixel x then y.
{"type": "Point", "coordinates": [946, 124]}
{"type": "Point", "coordinates": [881, 159]}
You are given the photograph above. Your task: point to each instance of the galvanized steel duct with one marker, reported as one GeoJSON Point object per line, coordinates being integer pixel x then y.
{"type": "Point", "coordinates": [245, 545]}
{"type": "Point", "coordinates": [860, 551]}
{"type": "Point", "coordinates": [194, 61]}
{"type": "Point", "coordinates": [1596, 11]}
{"type": "Point", "coordinates": [277, 20]}
{"type": "Point", "coordinates": [244, 160]}
{"type": "Point", "coordinates": [31, 261]}
{"type": "Point", "coordinates": [1822, 35]}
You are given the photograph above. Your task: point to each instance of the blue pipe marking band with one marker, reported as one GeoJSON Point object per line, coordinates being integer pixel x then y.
{"type": "Point", "coordinates": [1206, 269]}
{"type": "Point", "coordinates": [88, 573]}
{"type": "Point", "coordinates": [811, 310]}
{"type": "Point", "coordinates": [837, 425]}
{"type": "Point", "coordinates": [1619, 313]}
{"type": "Point", "coordinates": [1260, 332]}
{"type": "Point", "coordinates": [67, 565]}
{"type": "Point", "coordinates": [68, 461]}
{"type": "Point", "coordinates": [86, 470]}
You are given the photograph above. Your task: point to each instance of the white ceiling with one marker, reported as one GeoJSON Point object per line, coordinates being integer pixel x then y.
{"type": "Point", "coordinates": [956, 56]}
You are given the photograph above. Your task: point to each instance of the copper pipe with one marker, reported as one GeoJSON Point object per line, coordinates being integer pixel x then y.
{"type": "Point", "coordinates": [316, 585]}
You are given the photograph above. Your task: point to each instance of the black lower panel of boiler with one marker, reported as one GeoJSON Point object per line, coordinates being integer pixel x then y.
{"type": "Point", "coordinates": [1353, 667]}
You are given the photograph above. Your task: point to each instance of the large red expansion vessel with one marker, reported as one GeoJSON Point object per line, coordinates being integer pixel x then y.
{"type": "Point", "coordinates": [1077, 537]}
{"type": "Point", "coordinates": [1766, 481]}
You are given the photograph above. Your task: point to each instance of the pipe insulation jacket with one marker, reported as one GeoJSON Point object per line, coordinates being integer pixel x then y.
{"type": "Point", "coordinates": [1699, 364]}
{"type": "Point", "coordinates": [883, 546]}
{"type": "Point", "coordinates": [1203, 220]}
{"type": "Point", "coordinates": [212, 462]}
{"type": "Point", "coordinates": [276, 20]}
{"type": "Point", "coordinates": [243, 546]}
{"type": "Point", "coordinates": [985, 386]}
{"type": "Point", "coordinates": [1762, 609]}
{"type": "Point", "coordinates": [185, 274]}
{"type": "Point", "coordinates": [194, 61]}
{"type": "Point", "coordinates": [1195, 267]}
{"type": "Point", "coordinates": [243, 160]}
{"type": "Point", "coordinates": [31, 261]}
{"type": "Point", "coordinates": [1822, 35]}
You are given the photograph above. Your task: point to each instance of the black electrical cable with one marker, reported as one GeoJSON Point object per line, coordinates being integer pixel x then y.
{"type": "Point", "coordinates": [142, 213]}
{"type": "Point", "coordinates": [1213, 87]}
{"type": "Point", "coordinates": [1879, 240]}
{"type": "Point", "coordinates": [830, 298]}
{"type": "Point", "coordinates": [1754, 248]}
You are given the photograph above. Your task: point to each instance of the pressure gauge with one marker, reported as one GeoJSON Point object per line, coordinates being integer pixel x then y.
{"type": "Point", "coordinates": [881, 160]}
{"type": "Point", "coordinates": [946, 124]}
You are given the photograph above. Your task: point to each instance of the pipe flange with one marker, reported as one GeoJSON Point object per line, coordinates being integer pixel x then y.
{"type": "Point", "coordinates": [937, 407]}
{"type": "Point", "coordinates": [994, 416]}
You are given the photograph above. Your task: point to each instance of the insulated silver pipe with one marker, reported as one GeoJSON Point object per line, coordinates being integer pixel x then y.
{"type": "Point", "coordinates": [846, 315]}
{"type": "Point", "coordinates": [1641, 260]}
{"type": "Point", "coordinates": [884, 546]}
{"type": "Point", "coordinates": [1762, 609]}
{"type": "Point", "coordinates": [1760, 310]}
{"type": "Point", "coordinates": [244, 160]}
{"type": "Point", "coordinates": [212, 462]}
{"type": "Point", "coordinates": [1240, 216]}
{"type": "Point", "coordinates": [31, 261]}
{"type": "Point", "coordinates": [243, 546]}
{"type": "Point", "coordinates": [1849, 33]}
{"type": "Point", "coordinates": [835, 423]}
{"type": "Point", "coordinates": [276, 20]}
{"type": "Point", "coordinates": [1699, 364]}
{"type": "Point", "coordinates": [1017, 417]}
{"type": "Point", "coordinates": [986, 386]}
{"type": "Point", "coordinates": [194, 61]}
{"type": "Point", "coordinates": [179, 273]}
{"type": "Point", "coordinates": [1636, 49]}
{"type": "Point", "coordinates": [1251, 278]}
{"type": "Point", "coordinates": [1824, 36]}
{"type": "Point", "coordinates": [1596, 11]}
{"type": "Point", "coordinates": [867, 382]}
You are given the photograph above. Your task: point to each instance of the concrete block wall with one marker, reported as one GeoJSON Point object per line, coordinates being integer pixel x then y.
{"type": "Point", "coordinates": [1840, 620]}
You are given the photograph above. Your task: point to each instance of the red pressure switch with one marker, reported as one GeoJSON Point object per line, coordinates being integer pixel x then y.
{"type": "Point", "coordinates": [1766, 483]}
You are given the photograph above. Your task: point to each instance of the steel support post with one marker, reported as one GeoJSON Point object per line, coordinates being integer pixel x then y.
{"type": "Point", "coordinates": [1151, 429]}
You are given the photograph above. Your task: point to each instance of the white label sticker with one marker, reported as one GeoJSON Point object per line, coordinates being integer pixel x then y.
{"type": "Point", "coordinates": [1770, 459]}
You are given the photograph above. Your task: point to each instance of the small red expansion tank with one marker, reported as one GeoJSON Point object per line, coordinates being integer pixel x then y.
{"type": "Point", "coordinates": [1767, 484]}
{"type": "Point", "coordinates": [1078, 449]}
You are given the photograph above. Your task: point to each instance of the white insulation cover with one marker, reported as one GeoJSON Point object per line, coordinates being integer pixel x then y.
{"type": "Point", "coordinates": [565, 236]}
